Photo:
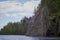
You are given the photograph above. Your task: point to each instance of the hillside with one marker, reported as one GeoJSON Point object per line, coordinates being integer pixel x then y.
{"type": "Point", "coordinates": [46, 21]}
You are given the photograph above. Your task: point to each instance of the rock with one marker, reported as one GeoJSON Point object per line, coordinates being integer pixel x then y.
{"type": "Point", "coordinates": [39, 22]}
{"type": "Point", "coordinates": [42, 24]}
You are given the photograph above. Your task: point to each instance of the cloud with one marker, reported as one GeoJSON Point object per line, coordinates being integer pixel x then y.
{"type": "Point", "coordinates": [9, 7]}
{"type": "Point", "coordinates": [19, 0]}
{"type": "Point", "coordinates": [15, 10]}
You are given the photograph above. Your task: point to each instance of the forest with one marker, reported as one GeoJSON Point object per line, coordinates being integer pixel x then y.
{"type": "Point", "coordinates": [16, 28]}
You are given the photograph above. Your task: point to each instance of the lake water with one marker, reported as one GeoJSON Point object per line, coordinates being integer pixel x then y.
{"type": "Point", "coordinates": [20, 37]}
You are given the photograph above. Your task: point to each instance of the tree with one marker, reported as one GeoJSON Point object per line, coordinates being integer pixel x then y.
{"type": "Point", "coordinates": [16, 28]}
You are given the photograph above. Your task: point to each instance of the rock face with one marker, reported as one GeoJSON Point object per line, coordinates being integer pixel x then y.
{"type": "Point", "coordinates": [40, 24]}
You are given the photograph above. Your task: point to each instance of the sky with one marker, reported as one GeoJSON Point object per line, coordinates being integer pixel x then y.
{"type": "Point", "coordinates": [15, 10]}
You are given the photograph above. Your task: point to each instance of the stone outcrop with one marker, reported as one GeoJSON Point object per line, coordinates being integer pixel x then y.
{"type": "Point", "coordinates": [41, 24]}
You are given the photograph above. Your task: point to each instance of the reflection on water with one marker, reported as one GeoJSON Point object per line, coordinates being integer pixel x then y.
{"type": "Point", "coordinates": [19, 37]}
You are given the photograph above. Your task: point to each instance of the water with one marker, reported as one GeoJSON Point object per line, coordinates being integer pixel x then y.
{"type": "Point", "coordinates": [16, 37]}
{"type": "Point", "coordinates": [20, 37]}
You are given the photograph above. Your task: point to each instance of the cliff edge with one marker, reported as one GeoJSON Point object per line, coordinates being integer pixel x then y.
{"type": "Point", "coordinates": [46, 21]}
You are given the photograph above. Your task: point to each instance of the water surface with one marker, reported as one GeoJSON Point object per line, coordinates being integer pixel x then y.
{"type": "Point", "coordinates": [21, 37]}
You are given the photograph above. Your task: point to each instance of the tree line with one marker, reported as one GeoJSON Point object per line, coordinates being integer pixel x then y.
{"type": "Point", "coordinates": [16, 28]}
